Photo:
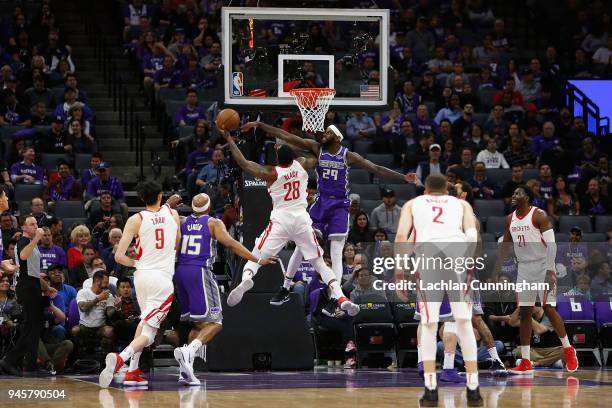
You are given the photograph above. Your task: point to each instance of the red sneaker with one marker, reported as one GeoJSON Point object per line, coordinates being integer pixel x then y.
{"type": "Point", "coordinates": [135, 378]}
{"type": "Point", "coordinates": [571, 360]}
{"type": "Point", "coordinates": [524, 367]}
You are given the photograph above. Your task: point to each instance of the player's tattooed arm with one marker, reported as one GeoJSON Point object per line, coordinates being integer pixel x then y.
{"type": "Point", "coordinates": [306, 144]}
{"type": "Point", "coordinates": [355, 159]}
{"type": "Point", "coordinates": [266, 173]}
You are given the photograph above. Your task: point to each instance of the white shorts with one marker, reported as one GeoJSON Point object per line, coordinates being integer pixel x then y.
{"type": "Point", "coordinates": [154, 292]}
{"type": "Point", "coordinates": [531, 273]}
{"type": "Point", "coordinates": [283, 228]}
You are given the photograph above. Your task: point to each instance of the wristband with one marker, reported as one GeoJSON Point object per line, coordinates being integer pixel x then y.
{"type": "Point", "coordinates": [258, 260]}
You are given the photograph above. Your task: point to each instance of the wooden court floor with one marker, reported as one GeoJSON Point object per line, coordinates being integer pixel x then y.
{"type": "Point", "coordinates": [335, 388]}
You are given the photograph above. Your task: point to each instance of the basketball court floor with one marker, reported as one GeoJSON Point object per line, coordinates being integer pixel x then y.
{"type": "Point", "coordinates": [333, 387]}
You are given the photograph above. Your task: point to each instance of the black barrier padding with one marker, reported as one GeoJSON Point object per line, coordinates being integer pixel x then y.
{"type": "Point", "coordinates": [255, 328]}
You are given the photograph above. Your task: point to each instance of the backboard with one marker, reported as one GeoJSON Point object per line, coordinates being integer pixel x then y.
{"type": "Point", "coordinates": [269, 51]}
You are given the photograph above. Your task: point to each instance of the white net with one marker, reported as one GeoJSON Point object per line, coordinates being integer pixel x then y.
{"type": "Point", "coordinates": [313, 104]}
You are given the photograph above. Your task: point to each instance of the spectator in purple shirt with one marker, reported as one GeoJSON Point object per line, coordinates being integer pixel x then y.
{"type": "Point", "coordinates": [50, 254]}
{"type": "Point", "coordinates": [104, 182]}
{"type": "Point", "coordinates": [546, 141]}
{"type": "Point", "coordinates": [193, 75]}
{"type": "Point", "coordinates": [92, 171]}
{"type": "Point", "coordinates": [409, 100]}
{"type": "Point", "coordinates": [547, 184]}
{"type": "Point", "coordinates": [167, 77]}
{"type": "Point", "coordinates": [26, 172]}
{"type": "Point", "coordinates": [65, 187]}
{"type": "Point", "coordinates": [70, 99]}
{"type": "Point", "coordinates": [190, 113]}
{"type": "Point", "coordinates": [195, 159]}
{"type": "Point", "coordinates": [423, 123]}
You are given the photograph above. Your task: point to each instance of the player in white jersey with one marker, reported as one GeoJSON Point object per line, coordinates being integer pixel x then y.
{"type": "Point", "coordinates": [289, 221]}
{"type": "Point", "coordinates": [529, 229]}
{"type": "Point", "coordinates": [444, 229]}
{"type": "Point", "coordinates": [157, 231]}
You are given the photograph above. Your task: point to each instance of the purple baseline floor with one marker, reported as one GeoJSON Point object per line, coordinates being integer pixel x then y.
{"type": "Point", "coordinates": [166, 380]}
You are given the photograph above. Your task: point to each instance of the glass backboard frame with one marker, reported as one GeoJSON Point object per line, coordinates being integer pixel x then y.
{"type": "Point", "coordinates": [316, 14]}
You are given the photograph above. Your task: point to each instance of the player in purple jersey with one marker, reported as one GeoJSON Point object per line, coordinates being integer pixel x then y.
{"type": "Point", "coordinates": [330, 212]}
{"type": "Point", "coordinates": [196, 283]}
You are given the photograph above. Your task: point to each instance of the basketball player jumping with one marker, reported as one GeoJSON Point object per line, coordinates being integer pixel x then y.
{"type": "Point", "coordinates": [289, 221]}
{"type": "Point", "coordinates": [196, 283]}
{"type": "Point", "coordinates": [535, 248]}
{"type": "Point", "coordinates": [330, 212]}
{"type": "Point", "coordinates": [443, 227]}
{"type": "Point", "coordinates": [156, 230]}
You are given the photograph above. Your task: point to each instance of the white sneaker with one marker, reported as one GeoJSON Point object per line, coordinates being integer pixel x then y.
{"type": "Point", "coordinates": [349, 307]}
{"type": "Point", "coordinates": [236, 295]}
{"type": "Point", "coordinates": [185, 360]}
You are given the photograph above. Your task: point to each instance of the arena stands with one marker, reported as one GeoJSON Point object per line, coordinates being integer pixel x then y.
{"type": "Point", "coordinates": [474, 98]}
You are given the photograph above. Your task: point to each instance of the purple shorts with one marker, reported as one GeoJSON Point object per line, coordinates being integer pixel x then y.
{"type": "Point", "coordinates": [330, 216]}
{"type": "Point", "coordinates": [198, 294]}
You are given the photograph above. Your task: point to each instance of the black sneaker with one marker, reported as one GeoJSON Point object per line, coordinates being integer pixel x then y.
{"type": "Point", "coordinates": [429, 398]}
{"type": "Point", "coordinates": [50, 368]}
{"type": "Point", "coordinates": [473, 398]}
{"type": "Point", "coordinates": [498, 368]}
{"type": "Point", "coordinates": [330, 308]}
{"type": "Point", "coordinates": [282, 296]}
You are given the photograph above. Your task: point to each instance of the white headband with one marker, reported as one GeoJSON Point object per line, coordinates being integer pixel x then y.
{"type": "Point", "coordinates": [336, 131]}
{"type": "Point", "coordinates": [202, 208]}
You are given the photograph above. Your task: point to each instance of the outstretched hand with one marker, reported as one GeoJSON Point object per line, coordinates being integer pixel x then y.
{"type": "Point", "coordinates": [226, 135]}
{"type": "Point", "coordinates": [410, 178]}
{"type": "Point", "coordinates": [267, 261]}
{"type": "Point", "coordinates": [248, 126]}
{"type": "Point", "coordinates": [174, 200]}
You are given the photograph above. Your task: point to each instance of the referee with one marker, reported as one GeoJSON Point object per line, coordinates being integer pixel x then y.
{"type": "Point", "coordinates": [30, 289]}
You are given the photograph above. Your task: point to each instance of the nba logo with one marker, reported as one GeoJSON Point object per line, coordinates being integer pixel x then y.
{"type": "Point", "coordinates": [237, 88]}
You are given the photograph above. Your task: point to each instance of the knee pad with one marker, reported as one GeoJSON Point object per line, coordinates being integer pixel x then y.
{"type": "Point", "coordinates": [149, 332]}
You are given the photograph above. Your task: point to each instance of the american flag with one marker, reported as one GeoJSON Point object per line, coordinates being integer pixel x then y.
{"type": "Point", "coordinates": [369, 91]}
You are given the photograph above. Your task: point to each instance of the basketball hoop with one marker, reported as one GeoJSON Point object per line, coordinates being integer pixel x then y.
{"type": "Point", "coordinates": [313, 104]}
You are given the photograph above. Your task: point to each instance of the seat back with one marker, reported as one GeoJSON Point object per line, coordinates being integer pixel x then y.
{"type": "Point", "coordinates": [404, 312]}
{"type": "Point", "coordinates": [403, 191]}
{"type": "Point", "coordinates": [496, 224]}
{"type": "Point", "coordinates": [69, 209]}
{"type": "Point", "coordinates": [26, 192]}
{"type": "Point", "coordinates": [488, 208]}
{"type": "Point", "coordinates": [48, 161]}
{"type": "Point", "coordinates": [374, 309]}
{"type": "Point", "coordinates": [575, 308]}
{"type": "Point", "coordinates": [369, 205]}
{"type": "Point", "coordinates": [359, 176]}
{"type": "Point", "coordinates": [603, 310]}
{"type": "Point", "coordinates": [385, 160]}
{"type": "Point", "coordinates": [499, 176]}
{"type": "Point", "coordinates": [566, 222]}
{"type": "Point", "coordinates": [603, 223]}
{"type": "Point", "coordinates": [82, 161]}
{"type": "Point", "coordinates": [366, 191]}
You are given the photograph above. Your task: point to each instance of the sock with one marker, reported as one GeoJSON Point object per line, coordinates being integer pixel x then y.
{"type": "Point", "coordinates": [335, 251]}
{"type": "Point", "coordinates": [565, 341]}
{"type": "Point", "coordinates": [430, 381]}
{"type": "Point", "coordinates": [419, 357]}
{"type": "Point", "coordinates": [449, 361]}
{"type": "Point", "coordinates": [287, 283]}
{"type": "Point", "coordinates": [250, 270]}
{"type": "Point", "coordinates": [493, 353]}
{"type": "Point", "coordinates": [328, 277]}
{"type": "Point", "coordinates": [134, 361]}
{"type": "Point", "coordinates": [194, 347]}
{"type": "Point", "coordinates": [472, 380]}
{"type": "Point", "coordinates": [525, 352]}
{"type": "Point", "coordinates": [127, 353]}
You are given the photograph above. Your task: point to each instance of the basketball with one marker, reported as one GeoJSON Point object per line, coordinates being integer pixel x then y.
{"type": "Point", "coordinates": [228, 119]}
